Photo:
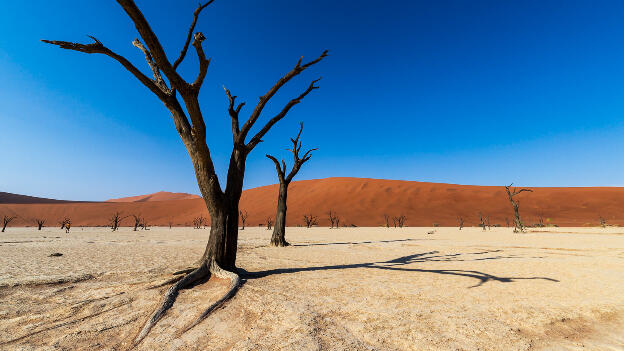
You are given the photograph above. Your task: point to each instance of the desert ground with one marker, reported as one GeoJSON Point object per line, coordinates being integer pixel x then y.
{"type": "Point", "coordinates": [345, 289]}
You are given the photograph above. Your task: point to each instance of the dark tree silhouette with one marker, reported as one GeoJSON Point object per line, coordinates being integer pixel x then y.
{"type": "Point", "coordinates": [333, 219]}
{"type": "Point", "coordinates": [603, 222]}
{"type": "Point", "coordinates": [310, 220]}
{"type": "Point", "coordinates": [387, 220]}
{"type": "Point", "coordinates": [64, 222]}
{"type": "Point", "coordinates": [279, 232]}
{"type": "Point", "coordinates": [481, 221]}
{"type": "Point", "coordinates": [399, 221]}
{"type": "Point", "coordinates": [115, 220]}
{"type": "Point", "coordinates": [461, 222]}
{"type": "Point", "coordinates": [137, 221]}
{"type": "Point", "coordinates": [6, 220]}
{"type": "Point", "coordinates": [219, 257]}
{"type": "Point", "coordinates": [243, 216]}
{"type": "Point", "coordinates": [198, 222]}
{"type": "Point", "coordinates": [269, 223]}
{"type": "Point", "coordinates": [40, 222]}
{"type": "Point", "coordinates": [487, 221]}
{"type": "Point", "coordinates": [518, 226]}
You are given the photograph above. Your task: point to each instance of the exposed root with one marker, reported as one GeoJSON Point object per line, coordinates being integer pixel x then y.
{"type": "Point", "coordinates": [184, 271]}
{"type": "Point", "coordinates": [166, 282]}
{"type": "Point", "coordinates": [235, 283]}
{"type": "Point", "coordinates": [169, 299]}
{"type": "Point", "coordinates": [172, 293]}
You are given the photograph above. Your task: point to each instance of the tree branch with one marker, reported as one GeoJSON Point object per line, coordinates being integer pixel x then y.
{"type": "Point", "coordinates": [233, 114]}
{"type": "Point", "coordinates": [155, 70]}
{"type": "Point", "coordinates": [200, 7]}
{"type": "Point", "coordinates": [280, 83]}
{"type": "Point", "coordinates": [280, 172]}
{"type": "Point", "coordinates": [203, 61]}
{"type": "Point", "coordinates": [258, 137]}
{"type": "Point", "coordinates": [98, 48]}
{"type": "Point", "coordinates": [152, 42]}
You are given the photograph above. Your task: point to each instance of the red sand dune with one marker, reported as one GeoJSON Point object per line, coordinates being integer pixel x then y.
{"type": "Point", "coordinates": [360, 202]}
{"type": "Point", "coordinates": [159, 196]}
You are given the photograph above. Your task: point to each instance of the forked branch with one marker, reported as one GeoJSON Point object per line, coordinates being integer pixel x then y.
{"type": "Point", "coordinates": [280, 83]}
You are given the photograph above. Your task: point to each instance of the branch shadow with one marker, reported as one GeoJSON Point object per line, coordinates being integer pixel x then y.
{"type": "Point", "coordinates": [360, 242]}
{"type": "Point", "coordinates": [398, 263]}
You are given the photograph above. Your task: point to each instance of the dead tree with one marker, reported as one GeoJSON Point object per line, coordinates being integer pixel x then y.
{"type": "Point", "coordinates": [603, 222]}
{"type": "Point", "coordinates": [399, 221]}
{"type": "Point", "coordinates": [219, 257]}
{"type": "Point", "coordinates": [461, 222]}
{"type": "Point", "coordinates": [487, 220]}
{"type": "Point", "coordinates": [279, 232]}
{"type": "Point", "coordinates": [137, 221]}
{"type": "Point", "coordinates": [333, 219]}
{"type": "Point", "coordinates": [198, 222]}
{"type": "Point", "coordinates": [269, 223]}
{"type": "Point", "coordinates": [481, 221]}
{"type": "Point", "coordinates": [40, 222]}
{"type": "Point", "coordinates": [507, 221]}
{"type": "Point", "coordinates": [518, 226]}
{"type": "Point", "coordinates": [243, 216]}
{"type": "Point", "coordinates": [387, 220]}
{"type": "Point", "coordinates": [310, 220]}
{"type": "Point", "coordinates": [143, 224]}
{"type": "Point", "coordinates": [115, 220]}
{"type": "Point", "coordinates": [65, 224]}
{"type": "Point", "coordinates": [6, 220]}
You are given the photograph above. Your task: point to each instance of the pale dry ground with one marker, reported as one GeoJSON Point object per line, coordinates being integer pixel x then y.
{"type": "Point", "coordinates": [346, 289]}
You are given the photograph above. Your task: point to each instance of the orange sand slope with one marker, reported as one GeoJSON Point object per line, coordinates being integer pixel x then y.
{"type": "Point", "coordinates": [360, 202]}
{"type": "Point", "coordinates": [159, 196]}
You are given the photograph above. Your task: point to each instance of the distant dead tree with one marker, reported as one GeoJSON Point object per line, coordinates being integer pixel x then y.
{"type": "Point", "coordinates": [399, 221]}
{"type": "Point", "coordinates": [461, 222]}
{"type": "Point", "coordinates": [170, 224]}
{"type": "Point", "coordinates": [269, 223]}
{"type": "Point", "coordinates": [198, 222]}
{"type": "Point", "coordinates": [181, 98]}
{"type": "Point", "coordinates": [481, 221]}
{"type": "Point", "coordinates": [6, 219]}
{"type": "Point", "coordinates": [603, 222]}
{"type": "Point", "coordinates": [243, 216]}
{"type": "Point", "coordinates": [387, 220]}
{"type": "Point", "coordinates": [487, 220]}
{"type": "Point", "coordinates": [540, 221]}
{"type": "Point", "coordinates": [279, 232]}
{"type": "Point", "coordinates": [143, 224]}
{"type": "Point", "coordinates": [310, 220]}
{"type": "Point", "coordinates": [518, 226]}
{"type": "Point", "coordinates": [333, 219]}
{"type": "Point", "coordinates": [115, 220]}
{"type": "Point", "coordinates": [40, 222]}
{"type": "Point", "coordinates": [64, 222]}
{"type": "Point", "coordinates": [507, 221]}
{"type": "Point", "coordinates": [137, 221]}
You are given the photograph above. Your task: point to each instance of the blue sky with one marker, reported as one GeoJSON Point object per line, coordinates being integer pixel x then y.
{"type": "Point", "coordinates": [467, 92]}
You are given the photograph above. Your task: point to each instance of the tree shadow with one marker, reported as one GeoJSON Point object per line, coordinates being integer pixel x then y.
{"type": "Point", "coordinates": [360, 242]}
{"type": "Point", "coordinates": [398, 263]}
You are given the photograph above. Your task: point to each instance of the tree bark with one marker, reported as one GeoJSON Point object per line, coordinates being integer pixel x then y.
{"type": "Point", "coordinates": [279, 231]}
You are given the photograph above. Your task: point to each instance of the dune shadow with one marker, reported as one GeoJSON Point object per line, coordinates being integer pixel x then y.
{"type": "Point", "coordinates": [398, 264]}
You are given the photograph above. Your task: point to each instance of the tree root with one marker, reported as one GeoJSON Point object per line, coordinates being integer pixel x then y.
{"type": "Point", "coordinates": [235, 283]}
{"type": "Point", "coordinates": [204, 271]}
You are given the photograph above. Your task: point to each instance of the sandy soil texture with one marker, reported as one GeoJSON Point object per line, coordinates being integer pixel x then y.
{"type": "Point", "coordinates": [346, 289]}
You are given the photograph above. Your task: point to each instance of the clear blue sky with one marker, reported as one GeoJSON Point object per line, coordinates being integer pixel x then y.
{"type": "Point", "coordinates": [468, 92]}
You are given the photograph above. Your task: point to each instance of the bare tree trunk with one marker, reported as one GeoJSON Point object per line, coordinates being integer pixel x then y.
{"type": "Point", "coordinates": [279, 231]}
{"type": "Point", "coordinates": [518, 225]}
{"type": "Point", "coordinates": [181, 98]}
